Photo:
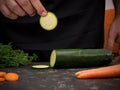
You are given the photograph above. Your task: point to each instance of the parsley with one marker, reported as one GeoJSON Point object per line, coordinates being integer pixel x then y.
{"type": "Point", "coordinates": [14, 58]}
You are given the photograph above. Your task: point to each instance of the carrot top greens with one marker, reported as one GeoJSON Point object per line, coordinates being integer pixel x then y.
{"type": "Point", "coordinates": [10, 57]}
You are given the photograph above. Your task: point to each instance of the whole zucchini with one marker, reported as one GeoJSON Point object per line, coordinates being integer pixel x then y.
{"type": "Point", "coordinates": [75, 58]}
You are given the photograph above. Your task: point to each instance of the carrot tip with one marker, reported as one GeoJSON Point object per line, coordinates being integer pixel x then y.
{"type": "Point", "coordinates": [76, 74]}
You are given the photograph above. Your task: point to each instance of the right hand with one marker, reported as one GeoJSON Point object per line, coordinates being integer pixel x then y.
{"type": "Point", "coordinates": [12, 9]}
{"type": "Point", "coordinates": [114, 36]}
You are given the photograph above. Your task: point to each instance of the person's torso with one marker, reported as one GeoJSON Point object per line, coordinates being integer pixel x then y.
{"type": "Point", "coordinates": [80, 25]}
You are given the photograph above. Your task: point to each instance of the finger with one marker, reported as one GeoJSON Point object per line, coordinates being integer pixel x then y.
{"type": "Point", "coordinates": [15, 8]}
{"type": "Point", "coordinates": [7, 13]}
{"type": "Point", "coordinates": [111, 40]}
{"type": "Point", "coordinates": [110, 44]}
{"type": "Point", "coordinates": [116, 59]}
{"type": "Point", "coordinates": [118, 39]}
{"type": "Point", "coordinates": [27, 6]}
{"type": "Point", "coordinates": [39, 7]}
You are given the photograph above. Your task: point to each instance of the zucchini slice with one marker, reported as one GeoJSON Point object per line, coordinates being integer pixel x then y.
{"type": "Point", "coordinates": [40, 66]}
{"type": "Point", "coordinates": [75, 58]}
{"type": "Point", "coordinates": [49, 22]}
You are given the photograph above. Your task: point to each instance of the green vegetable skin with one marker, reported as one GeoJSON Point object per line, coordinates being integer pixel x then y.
{"type": "Point", "coordinates": [74, 58]}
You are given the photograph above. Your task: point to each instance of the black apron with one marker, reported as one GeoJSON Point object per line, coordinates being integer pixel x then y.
{"type": "Point", "coordinates": [80, 25]}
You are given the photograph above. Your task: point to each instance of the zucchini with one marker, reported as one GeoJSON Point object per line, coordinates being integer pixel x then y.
{"type": "Point", "coordinates": [75, 58]}
{"type": "Point", "coordinates": [40, 66]}
{"type": "Point", "coordinates": [49, 22]}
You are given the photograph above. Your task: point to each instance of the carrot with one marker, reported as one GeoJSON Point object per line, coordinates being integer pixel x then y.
{"type": "Point", "coordinates": [102, 72]}
{"type": "Point", "coordinates": [2, 74]}
{"type": "Point", "coordinates": [11, 77]}
{"type": "Point", "coordinates": [2, 79]}
{"type": "Point", "coordinates": [80, 72]}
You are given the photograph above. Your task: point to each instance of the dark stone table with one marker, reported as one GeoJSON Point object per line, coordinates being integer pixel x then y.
{"type": "Point", "coordinates": [55, 79]}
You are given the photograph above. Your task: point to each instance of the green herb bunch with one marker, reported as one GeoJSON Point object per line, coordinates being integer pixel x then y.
{"type": "Point", "coordinates": [14, 58]}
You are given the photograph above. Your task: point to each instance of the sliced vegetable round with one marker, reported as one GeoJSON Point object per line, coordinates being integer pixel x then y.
{"type": "Point", "coordinates": [49, 22]}
{"type": "Point", "coordinates": [40, 66]}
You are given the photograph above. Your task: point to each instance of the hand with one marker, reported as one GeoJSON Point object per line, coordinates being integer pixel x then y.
{"type": "Point", "coordinates": [114, 36]}
{"type": "Point", "coordinates": [12, 9]}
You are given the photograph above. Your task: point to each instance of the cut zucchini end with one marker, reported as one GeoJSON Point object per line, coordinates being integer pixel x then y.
{"type": "Point", "coordinates": [49, 22]}
{"type": "Point", "coordinates": [40, 66]}
{"type": "Point", "coordinates": [53, 58]}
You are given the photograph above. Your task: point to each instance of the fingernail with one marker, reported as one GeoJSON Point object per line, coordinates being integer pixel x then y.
{"type": "Point", "coordinates": [44, 14]}
{"type": "Point", "coordinates": [32, 14]}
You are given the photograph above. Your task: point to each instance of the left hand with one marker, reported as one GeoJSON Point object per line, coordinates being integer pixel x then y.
{"type": "Point", "coordinates": [114, 35]}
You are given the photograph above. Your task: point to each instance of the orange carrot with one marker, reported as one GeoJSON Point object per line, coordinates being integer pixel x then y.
{"type": "Point", "coordinates": [102, 72]}
{"type": "Point", "coordinates": [80, 72]}
{"type": "Point", "coordinates": [2, 79]}
{"type": "Point", "coordinates": [2, 74]}
{"type": "Point", "coordinates": [11, 77]}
